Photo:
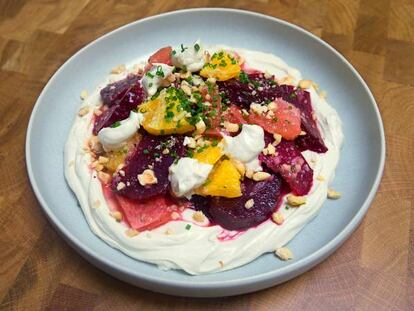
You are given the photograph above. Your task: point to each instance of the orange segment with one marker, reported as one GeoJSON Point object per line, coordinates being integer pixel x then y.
{"type": "Point", "coordinates": [224, 181]}
{"type": "Point", "coordinates": [210, 155]}
{"type": "Point", "coordinates": [164, 115]}
{"type": "Point", "coordinates": [222, 66]}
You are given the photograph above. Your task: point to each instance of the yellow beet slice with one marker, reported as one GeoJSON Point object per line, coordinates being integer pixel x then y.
{"type": "Point", "coordinates": [224, 181]}
{"type": "Point", "coordinates": [210, 155]}
{"type": "Point", "coordinates": [222, 66]}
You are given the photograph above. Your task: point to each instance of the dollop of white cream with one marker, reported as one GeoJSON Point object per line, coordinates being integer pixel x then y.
{"type": "Point", "coordinates": [113, 138]}
{"type": "Point", "coordinates": [247, 145]}
{"type": "Point", "coordinates": [187, 174]}
{"type": "Point", "coordinates": [153, 77]}
{"type": "Point", "coordinates": [190, 57]}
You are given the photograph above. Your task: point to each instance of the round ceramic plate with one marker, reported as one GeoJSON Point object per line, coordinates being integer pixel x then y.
{"type": "Point", "coordinates": [358, 174]}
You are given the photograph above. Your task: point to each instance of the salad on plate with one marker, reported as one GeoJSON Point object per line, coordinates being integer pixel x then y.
{"type": "Point", "coordinates": [203, 158]}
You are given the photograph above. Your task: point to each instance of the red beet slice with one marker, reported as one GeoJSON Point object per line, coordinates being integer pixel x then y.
{"type": "Point", "coordinates": [232, 214]}
{"type": "Point", "coordinates": [146, 214]}
{"type": "Point", "coordinates": [292, 166]}
{"type": "Point", "coordinates": [243, 93]}
{"type": "Point", "coordinates": [149, 154]}
{"type": "Point", "coordinates": [121, 97]}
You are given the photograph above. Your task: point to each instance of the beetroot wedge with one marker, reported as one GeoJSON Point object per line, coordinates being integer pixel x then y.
{"type": "Point", "coordinates": [292, 166]}
{"type": "Point", "coordinates": [232, 214]}
{"type": "Point", "coordinates": [148, 155]}
{"type": "Point", "coordinates": [121, 97]}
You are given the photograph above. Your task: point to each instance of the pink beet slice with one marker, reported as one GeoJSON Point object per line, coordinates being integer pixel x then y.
{"type": "Point", "coordinates": [149, 154]}
{"type": "Point", "coordinates": [232, 214]}
{"type": "Point", "coordinates": [121, 97]}
{"type": "Point", "coordinates": [292, 166]}
{"type": "Point", "coordinates": [146, 214]}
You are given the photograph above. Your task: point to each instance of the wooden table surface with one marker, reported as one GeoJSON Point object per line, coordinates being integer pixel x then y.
{"type": "Point", "coordinates": [374, 269]}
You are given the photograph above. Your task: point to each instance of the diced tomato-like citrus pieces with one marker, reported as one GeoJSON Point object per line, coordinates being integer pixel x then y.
{"type": "Point", "coordinates": [162, 56]}
{"type": "Point", "coordinates": [234, 114]}
{"type": "Point", "coordinates": [283, 120]}
{"type": "Point", "coordinates": [146, 214]}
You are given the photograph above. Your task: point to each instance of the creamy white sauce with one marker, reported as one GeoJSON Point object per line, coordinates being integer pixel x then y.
{"type": "Point", "coordinates": [247, 145]}
{"type": "Point", "coordinates": [191, 57]}
{"type": "Point", "coordinates": [187, 174]}
{"type": "Point", "coordinates": [113, 138]}
{"type": "Point", "coordinates": [199, 250]}
{"type": "Point", "coordinates": [152, 80]}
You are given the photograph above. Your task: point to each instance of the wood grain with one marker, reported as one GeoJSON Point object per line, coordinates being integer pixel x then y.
{"type": "Point", "coordinates": [374, 269]}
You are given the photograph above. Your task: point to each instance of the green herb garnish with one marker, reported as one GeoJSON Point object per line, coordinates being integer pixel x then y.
{"type": "Point", "coordinates": [115, 124]}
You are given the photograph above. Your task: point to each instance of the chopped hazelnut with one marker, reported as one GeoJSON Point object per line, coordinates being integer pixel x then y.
{"type": "Point", "coordinates": [84, 94]}
{"type": "Point", "coordinates": [200, 127]}
{"type": "Point", "coordinates": [333, 195]}
{"type": "Point", "coordinates": [117, 215]}
{"type": "Point", "coordinates": [278, 139]}
{"type": "Point", "coordinates": [284, 253]}
{"type": "Point", "coordinates": [121, 185]}
{"type": "Point", "coordinates": [131, 232]}
{"type": "Point", "coordinates": [231, 127]}
{"type": "Point", "coordinates": [83, 111]}
{"type": "Point", "coordinates": [305, 84]}
{"type": "Point", "coordinates": [259, 176]}
{"type": "Point", "coordinates": [199, 216]}
{"type": "Point", "coordinates": [278, 218]}
{"type": "Point", "coordinates": [295, 201]}
{"type": "Point", "coordinates": [147, 178]}
{"type": "Point", "coordinates": [118, 69]}
{"type": "Point", "coordinates": [249, 204]}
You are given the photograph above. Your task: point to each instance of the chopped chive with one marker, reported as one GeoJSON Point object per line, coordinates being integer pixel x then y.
{"type": "Point", "coordinates": [196, 47]}
{"type": "Point", "coordinates": [115, 124]}
{"type": "Point", "coordinates": [188, 227]}
{"type": "Point", "coordinates": [145, 151]}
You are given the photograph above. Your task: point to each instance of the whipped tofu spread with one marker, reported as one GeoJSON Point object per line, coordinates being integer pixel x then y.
{"type": "Point", "coordinates": [202, 249]}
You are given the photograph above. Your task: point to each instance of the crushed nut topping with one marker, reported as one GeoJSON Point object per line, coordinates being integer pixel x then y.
{"type": "Point", "coordinates": [117, 216]}
{"type": "Point", "coordinates": [120, 186]}
{"type": "Point", "coordinates": [333, 195]}
{"type": "Point", "coordinates": [259, 176]}
{"type": "Point", "coordinates": [103, 160]}
{"type": "Point", "coordinates": [294, 200]}
{"type": "Point", "coordinates": [131, 232]}
{"type": "Point", "coordinates": [83, 111]}
{"type": "Point", "coordinates": [269, 150]}
{"type": "Point", "coordinates": [104, 177]}
{"type": "Point", "coordinates": [284, 253]}
{"type": "Point", "coordinates": [231, 127]}
{"type": "Point", "coordinates": [118, 69]}
{"type": "Point", "coordinates": [147, 178]}
{"type": "Point", "coordinates": [199, 216]}
{"type": "Point", "coordinates": [175, 215]}
{"type": "Point", "coordinates": [200, 127]}
{"type": "Point", "coordinates": [278, 139]}
{"type": "Point", "coordinates": [249, 204]}
{"type": "Point", "coordinates": [305, 84]}
{"type": "Point", "coordinates": [84, 94]}
{"type": "Point", "coordinates": [278, 218]}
